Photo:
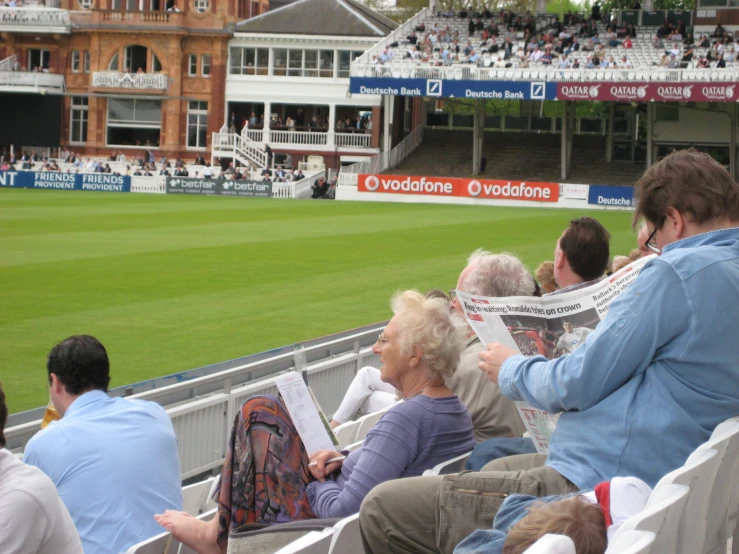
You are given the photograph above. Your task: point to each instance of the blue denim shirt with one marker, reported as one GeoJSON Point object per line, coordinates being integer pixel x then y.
{"type": "Point", "coordinates": [654, 379]}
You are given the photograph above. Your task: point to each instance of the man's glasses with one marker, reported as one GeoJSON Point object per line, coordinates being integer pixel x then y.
{"type": "Point", "coordinates": [452, 295]}
{"type": "Point", "coordinates": [650, 242]}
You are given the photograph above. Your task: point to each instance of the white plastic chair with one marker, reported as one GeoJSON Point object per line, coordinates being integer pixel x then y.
{"type": "Point", "coordinates": [455, 465]}
{"type": "Point", "coordinates": [346, 433]}
{"type": "Point", "coordinates": [724, 496]}
{"type": "Point", "coordinates": [632, 542]}
{"type": "Point", "coordinates": [164, 543]}
{"type": "Point", "coordinates": [698, 475]}
{"type": "Point", "coordinates": [352, 447]}
{"type": "Point", "coordinates": [315, 542]}
{"type": "Point", "coordinates": [365, 423]}
{"type": "Point", "coordinates": [552, 544]}
{"type": "Point", "coordinates": [347, 539]}
{"type": "Point", "coordinates": [207, 516]}
{"type": "Point", "coordinates": [661, 516]}
{"type": "Point", "coordinates": [194, 497]}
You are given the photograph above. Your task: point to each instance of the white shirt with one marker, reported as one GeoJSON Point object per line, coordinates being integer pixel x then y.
{"type": "Point", "coordinates": [571, 341]}
{"type": "Point", "coordinates": [33, 519]}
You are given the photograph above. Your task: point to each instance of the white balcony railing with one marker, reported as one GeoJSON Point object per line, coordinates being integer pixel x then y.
{"type": "Point", "coordinates": [304, 138]}
{"type": "Point", "coordinates": [354, 140]}
{"type": "Point", "coordinates": [32, 79]}
{"type": "Point", "coordinates": [139, 81]}
{"type": "Point", "coordinates": [298, 137]}
{"type": "Point", "coordinates": [42, 19]}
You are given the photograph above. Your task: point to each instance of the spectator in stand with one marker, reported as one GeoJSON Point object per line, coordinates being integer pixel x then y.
{"type": "Point", "coordinates": [106, 456]}
{"type": "Point", "coordinates": [721, 63]}
{"type": "Point", "coordinates": [688, 55]}
{"type": "Point", "coordinates": [640, 378]}
{"type": "Point", "coordinates": [689, 40]}
{"type": "Point", "coordinates": [626, 63]}
{"type": "Point", "coordinates": [704, 42]}
{"type": "Point", "coordinates": [627, 43]}
{"type": "Point", "coordinates": [719, 32]}
{"type": "Point", "coordinates": [419, 349]}
{"type": "Point", "coordinates": [545, 275]}
{"type": "Point", "coordinates": [33, 519]}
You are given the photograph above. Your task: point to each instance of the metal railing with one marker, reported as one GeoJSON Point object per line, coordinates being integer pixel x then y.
{"type": "Point", "coordinates": [38, 17]}
{"type": "Point", "coordinates": [239, 147]}
{"type": "Point", "coordinates": [396, 36]}
{"type": "Point", "coordinates": [401, 70]}
{"type": "Point", "coordinates": [140, 81]}
{"type": "Point", "coordinates": [38, 80]}
{"type": "Point", "coordinates": [298, 137]}
{"type": "Point", "coordinates": [202, 409]}
{"type": "Point", "coordinates": [353, 140]}
{"type": "Point", "coordinates": [382, 161]}
{"type": "Point", "coordinates": [8, 64]}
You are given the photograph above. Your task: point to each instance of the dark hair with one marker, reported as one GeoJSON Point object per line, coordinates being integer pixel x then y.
{"type": "Point", "coordinates": [80, 363]}
{"type": "Point", "coordinates": [3, 416]}
{"type": "Point", "coordinates": [692, 183]}
{"type": "Point", "coordinates": [585, 243]}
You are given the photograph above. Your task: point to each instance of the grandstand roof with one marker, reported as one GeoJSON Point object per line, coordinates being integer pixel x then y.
{"type": "Point", "coordinates": [321, 17]}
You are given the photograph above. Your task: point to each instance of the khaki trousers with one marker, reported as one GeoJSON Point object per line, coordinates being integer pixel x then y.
{"type": "Point", "coordinates": [434, 514]}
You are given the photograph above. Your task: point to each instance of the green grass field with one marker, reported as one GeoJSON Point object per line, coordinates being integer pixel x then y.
{"type": "Point", "coordinates": [171, 283]}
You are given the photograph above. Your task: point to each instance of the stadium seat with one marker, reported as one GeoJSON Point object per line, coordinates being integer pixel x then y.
{"type": "Point", "coordinates": [315, 542]}
{"type": "Point", "coordinates": [552, 544]}
{"type": "Point", "coordinates": [632, 542]}
{"type": "Point", "coordinates": [455, 465]}
{"type": "Point", "coordinates": [697, 474]}
{"type": "Point", "coordinates": [164, 543]}
{"type": "Point", "coordinates": [346, 433]}
{"type": "Point", "coordinates": [661, 516]}
{"type": "Point", "coordinates": [347, 538]}
{"type": "Point", "coordinates": [724, 496]}
{"type": "Point", "coordinates": [366, 423]}
{"type": "Point", "coordinates": [195, 497]}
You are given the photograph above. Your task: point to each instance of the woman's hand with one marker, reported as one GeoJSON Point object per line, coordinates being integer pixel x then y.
{"type": "Point", "coordinates": [318, 466]}
{"type": "Point", "coordinates": [493, 358]}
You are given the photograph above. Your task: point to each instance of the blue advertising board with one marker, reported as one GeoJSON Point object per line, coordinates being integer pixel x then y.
{"type": "Point", "coordinates": [603, 195]}
{"type": "Point", "coordinates": [65, 181]}
{"type": "Point", "coordinates": [491, 90]}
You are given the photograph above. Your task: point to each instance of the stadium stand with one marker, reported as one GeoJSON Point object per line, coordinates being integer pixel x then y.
{"type": "Point", "coordinates": [528, 157]}
{"type": "Point", "coordinates": [434, 55]}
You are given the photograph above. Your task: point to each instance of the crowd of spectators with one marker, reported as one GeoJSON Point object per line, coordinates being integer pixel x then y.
{"type": "Point", "coordinates": [630, 388]}
{"type": "Point", "coordinates": [317, 123]}
{"type": "Point", "coordinates": [509, 40]}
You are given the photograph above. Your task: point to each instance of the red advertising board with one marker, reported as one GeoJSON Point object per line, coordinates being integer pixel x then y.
{"type": "Point", "coordinates": [452, 186]}
{"type": "Point", "coordinates": [645, 92]}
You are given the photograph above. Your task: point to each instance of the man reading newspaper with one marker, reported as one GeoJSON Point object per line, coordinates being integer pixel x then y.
{"type": "Point", "coordinates": [646, 389]}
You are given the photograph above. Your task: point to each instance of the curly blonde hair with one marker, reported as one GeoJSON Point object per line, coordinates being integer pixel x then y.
{"type": "Point", "coordinates": [429, 324]}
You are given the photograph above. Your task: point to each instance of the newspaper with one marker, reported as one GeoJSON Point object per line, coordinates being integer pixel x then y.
{"type": "Point", "coordinates": [550, 326]}
{"type": "Point", "coordinates": [307, 416]}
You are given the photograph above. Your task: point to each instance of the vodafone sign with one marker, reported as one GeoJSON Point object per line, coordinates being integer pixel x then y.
{"type": "Point", "coordinates": [451, 186]}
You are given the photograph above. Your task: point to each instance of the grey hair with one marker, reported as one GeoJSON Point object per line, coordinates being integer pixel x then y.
{"type": "Point", "coordinates": [497, 275]}
{"type": "Point", "coordinates": [429, 324]}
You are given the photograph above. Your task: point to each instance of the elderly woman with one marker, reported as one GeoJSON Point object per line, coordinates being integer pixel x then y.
{"type": "Point", "coordinates": [267, 477]}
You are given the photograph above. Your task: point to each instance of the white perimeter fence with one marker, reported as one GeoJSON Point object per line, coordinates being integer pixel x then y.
{"type": "Point", "coordinates": [203, 421]}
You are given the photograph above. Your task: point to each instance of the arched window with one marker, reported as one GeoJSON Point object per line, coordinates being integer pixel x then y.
{"type": "Point", "coordinates": [135, 58]}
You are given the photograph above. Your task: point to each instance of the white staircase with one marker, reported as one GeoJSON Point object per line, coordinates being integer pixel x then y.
{"type": "Point", "coordinates": [239, 147]}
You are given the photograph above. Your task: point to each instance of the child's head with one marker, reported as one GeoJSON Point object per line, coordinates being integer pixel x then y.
{"type": "Point", "coordinates": [575, 517]}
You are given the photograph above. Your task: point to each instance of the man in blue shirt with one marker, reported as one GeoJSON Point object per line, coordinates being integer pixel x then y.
{"type": "Point", "coordinates": [649, 385]}
{"type": "Point", "coordinates": [113, 461]}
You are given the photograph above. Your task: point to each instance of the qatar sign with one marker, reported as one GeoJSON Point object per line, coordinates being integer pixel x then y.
{"type": "Point", "coordinates": [453, 186]}
{"type": "Point", "coordinates": [645, 92]}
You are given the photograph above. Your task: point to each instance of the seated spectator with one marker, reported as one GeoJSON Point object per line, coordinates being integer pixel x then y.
{"type": "Point", "coordinates": [419, 350]}
{"type": "Point", "coordinates": [689, 40]}
{"type": "Point", "coordinates": [590, 518]}
{"type": "Point", "coordinates": [703, 63]}
{"type": "Point", "coordinates": [319, 188]}
{"type": "Point", "coordinates": [661, 336]}
{"type": "Point", "coordinates": [33, 519]}
{"type": "Point", "coordinates": [626, 63]}
{"type": "Point", "coordinates": [704, 42]}
{"type": "Point", "coordinates": [105, 456]}
{"type": "Point", "coordinates": [721, 63]}
{"type": "Point", "coordinates": [719, 32]}
{"type": "Point", "coordinates": [627, 43]}
{"type": "Point", "coordinates": [545, 275]}
{"type": "Point", "coordinates": [688, 55]}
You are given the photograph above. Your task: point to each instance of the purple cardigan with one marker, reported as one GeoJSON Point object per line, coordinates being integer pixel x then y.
{"type": "Point", "coordinates": [411, 437]}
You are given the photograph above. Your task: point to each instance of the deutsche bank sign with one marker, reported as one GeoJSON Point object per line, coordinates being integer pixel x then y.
{"type": "Point", "coordinates": [493, 90]}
